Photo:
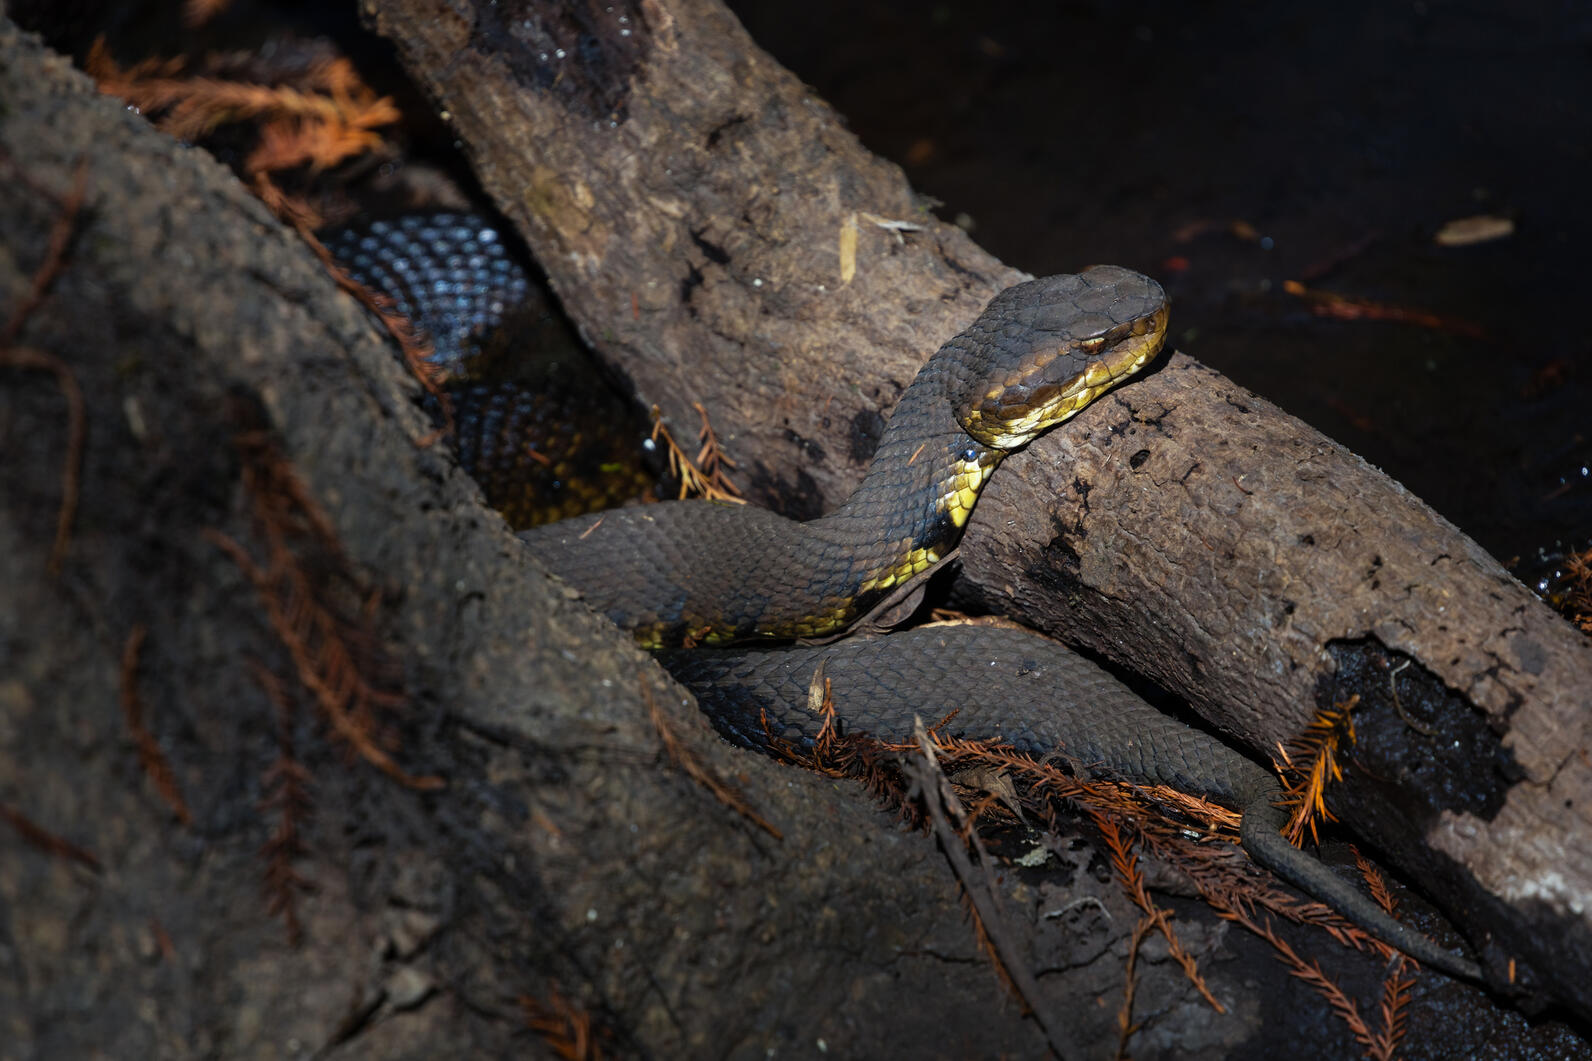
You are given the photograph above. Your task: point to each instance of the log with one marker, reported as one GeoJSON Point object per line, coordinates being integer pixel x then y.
{"type": "Point", "coordinates": [566, 852]}
{"type": "Point", "coordinates": [567, 857]}
{"type": "Point", "coordinates": [720, 238]}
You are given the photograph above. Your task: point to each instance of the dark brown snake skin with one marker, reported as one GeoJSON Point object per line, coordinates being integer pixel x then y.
{"type": "Point", "coordinates": [687, 573]}
{"type": "Point", "coordinates": [533, 422]}
{"type": "Point", "coordinates": [691, 573]}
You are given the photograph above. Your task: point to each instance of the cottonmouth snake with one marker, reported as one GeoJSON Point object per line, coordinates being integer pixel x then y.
{"type": "Point", "coordinates": [684, 574]}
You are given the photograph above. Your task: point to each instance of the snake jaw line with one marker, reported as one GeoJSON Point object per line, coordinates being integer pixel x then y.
{"type": "Point", "coordinates": [1127, 349]}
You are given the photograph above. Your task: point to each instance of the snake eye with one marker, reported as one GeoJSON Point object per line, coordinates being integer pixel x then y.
{"type": "Point", "coordinates": [970, 454]}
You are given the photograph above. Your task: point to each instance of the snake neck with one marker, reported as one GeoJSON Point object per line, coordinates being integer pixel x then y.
{"type": "Point", "coordinates": [689, 573]}
{"type": "Point", "coordinates": [909, 510]}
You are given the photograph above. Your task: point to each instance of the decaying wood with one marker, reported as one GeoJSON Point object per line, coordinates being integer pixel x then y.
{"type": "Point", "coordinates": [566, 858]}
{"type": "Point", "coordinates": [722, 239]}
{"type": "Point", "coordinates": [1199, 534]}
{"type": "Point", "coordinates": [711, 226]}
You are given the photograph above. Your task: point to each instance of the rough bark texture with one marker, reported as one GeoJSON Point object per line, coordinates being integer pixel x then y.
{"type": "Point", "coordinates": [693, 207]}
{"type": "Point", "coordinates": [1221, 547]}
{"type": "Point", "coordinates": [690, 203]}
{"type": "Point", "coordinates": [566, 852]}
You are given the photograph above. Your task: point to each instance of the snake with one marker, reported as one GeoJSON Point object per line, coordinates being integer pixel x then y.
{"type": "Point", "coordinates": [687, 578]}
{"type": "Point", "coordinates": [531, 419]}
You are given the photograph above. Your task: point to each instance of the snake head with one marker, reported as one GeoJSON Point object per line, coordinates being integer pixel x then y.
{"type": "Point", "coordinates": [1043, 350]}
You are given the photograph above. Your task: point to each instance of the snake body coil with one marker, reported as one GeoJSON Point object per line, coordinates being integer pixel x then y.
{"type": "Point", "coordinates": [1010, 685]}
{"type": "Point", "coordinates": [687, 573]}
{"type": "Point", "coordinates": [529, 415]}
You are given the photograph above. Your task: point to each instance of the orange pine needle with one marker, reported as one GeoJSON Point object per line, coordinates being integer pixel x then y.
{"type": "Point", "coordinates": [150, 757]}
{"type": "Point", "coordinates": [707, 476]}
{"type": "Point", "coordinates": [324, 647]}
{"type": "Point", "coordinates": [1345, 307]}
{"type": "Point", "coordinates": [565, 1028]}
{"type": "Point", "coordinates": [694, 768]}
{"type": "Point", "coordinates": [46, 841]}
{"type": "Point", "coordinates": [325, 116]}
{"type": "Point", "coordinates": [1318, 745]}
{"type": "Point", "coordinates": [24, 357]}
{"type": "Point", "coordinates": [286, 786]}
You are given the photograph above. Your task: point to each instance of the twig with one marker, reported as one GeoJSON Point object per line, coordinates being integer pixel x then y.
{"type": "Point", "coordinates": [25, 357]}
{"type": "Point", "coordinates": [54, 255]}
{"type": "Point", "coordinates": [686, 760]}
{"type": "Point", "coordinates": [286, 785]}
{"type": "Point", "coordinates": [153, 760]}
{"type": "Point", "coordinates": [1395, 985]}
{"type": "Point", "coordinates": [1318, 744]}
{"type": "Point", "coordinates": [333, 696]}
{"type": "Point", "coordinates": [1311, 973]}
{"type": "Point", "coordinates": [565, 1027]}
{"type": "Point", "coordinates": [707, 476]}
{"type": "Point", "coordinates": [891, 225]}
{"type": "Point", "coordinates": [330, 654]}
{"type": "Point", "coordinates": [1395, 1002]}
{"type": "Point", "coordinates": [1126, 864]}
{"type": "Point", "coordinates": [1125, 1025]}
{"type": "Point", "coordinates": [1398, 705]}
{"type": "Point", "coordinates": [821, 701]}
{"type": "Point", "coordinates": [1345, 307]}
{"type": "Point", "coordinates": [1218, 871]}
{"type": "Point", "coordinates": [937, 795]}
{"type": "Point", "coordinates": [322, 114]}
{"type": "Point", "coordinates": [46, 841]}
{"type": "Point", "coordinates": [327, 116]}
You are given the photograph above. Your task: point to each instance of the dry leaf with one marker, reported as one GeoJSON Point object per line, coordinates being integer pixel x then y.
{"type": "Point", "coordinates": [1483, 228]}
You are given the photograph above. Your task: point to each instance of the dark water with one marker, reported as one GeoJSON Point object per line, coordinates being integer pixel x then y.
{"type": "Point", "coordinates": [1344, 136]}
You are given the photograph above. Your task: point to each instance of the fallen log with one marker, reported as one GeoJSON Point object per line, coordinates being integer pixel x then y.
{"type": "Point", "coordinates": [720, 238]}
{"type": "Point", "coordinates": [569, 877]}
{"type": "Point", "coordinates": [707, 937]}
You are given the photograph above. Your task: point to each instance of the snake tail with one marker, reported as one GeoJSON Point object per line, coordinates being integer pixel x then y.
{"type": "Point", "coordinates": [1041, 698]}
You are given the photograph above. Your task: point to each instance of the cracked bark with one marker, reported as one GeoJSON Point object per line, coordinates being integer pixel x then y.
{"type": "Point", "coordinates": [563, 853]}
{"type": "Point", "coordinates": [693, 205]}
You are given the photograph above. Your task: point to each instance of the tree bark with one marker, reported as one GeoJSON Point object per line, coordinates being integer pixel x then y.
{"type": "Point", "coordinates": [717, 235]}
{"type": "Point", "coordinates": [566, 852]}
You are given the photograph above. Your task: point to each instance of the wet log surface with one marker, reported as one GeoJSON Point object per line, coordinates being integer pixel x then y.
{"type": "Point", "coordinates": [566, 852]}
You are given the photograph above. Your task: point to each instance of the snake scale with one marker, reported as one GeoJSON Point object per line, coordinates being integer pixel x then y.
{"type": "Point", "coordinates": [682, 574]}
